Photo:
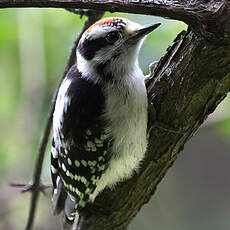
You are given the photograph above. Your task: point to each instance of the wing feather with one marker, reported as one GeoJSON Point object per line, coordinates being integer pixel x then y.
{"type": "Point", "coordinates": [80, 146]}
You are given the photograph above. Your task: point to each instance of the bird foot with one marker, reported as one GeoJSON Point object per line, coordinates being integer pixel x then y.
{"type": "Point", "coordinates": [152, 68]}
{"type": "Point", "coordinates": [31, 186]}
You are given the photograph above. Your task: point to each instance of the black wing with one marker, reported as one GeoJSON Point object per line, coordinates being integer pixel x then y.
{"type": "Point", "coordinates": [80, 147]}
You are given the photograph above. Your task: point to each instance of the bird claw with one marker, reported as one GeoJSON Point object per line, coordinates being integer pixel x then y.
{"type": "Point", "coordinates": [152, 68]}
{"type": "Point", "coordinates": [31, 186]}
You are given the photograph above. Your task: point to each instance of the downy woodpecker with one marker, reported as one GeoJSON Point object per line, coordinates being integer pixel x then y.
{"type": "Point", "coordinates": [100, 117]}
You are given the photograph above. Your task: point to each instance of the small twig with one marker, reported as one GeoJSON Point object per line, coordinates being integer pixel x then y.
{"type": "Point", "coordinates": [86, 12]}
{"type": "Point", "coordinates": [17, 185]}
{"type": "Point", "coordinates": [35, 187]}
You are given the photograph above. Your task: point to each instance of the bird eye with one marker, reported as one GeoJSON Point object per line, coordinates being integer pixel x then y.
{"type": "Point", "coordinates": [112, 37]}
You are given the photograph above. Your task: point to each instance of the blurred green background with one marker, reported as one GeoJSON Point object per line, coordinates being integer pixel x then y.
{"type": "Point", "coordinates": [34, 46]}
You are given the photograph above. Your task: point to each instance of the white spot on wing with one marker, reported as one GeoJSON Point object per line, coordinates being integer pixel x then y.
{"type": "Point", "coordinates": [88, 132]}
{"type": "Point", "coordinates": [54, 170]}
{"type": "Point", "coordinates": [54, 152]}
{"type": "Point", "coordinates": [84, 163]}
{"type": "Point", "coordinates": [63, 167]}
{"type": "Point", "coordinates": [58, 180]}
{"type": "Point", "coordinates": [69, 161]}
{"type": "Point", "coordinates": [77, 163]}
{"type": "Point", "coordinates": [90, 144]}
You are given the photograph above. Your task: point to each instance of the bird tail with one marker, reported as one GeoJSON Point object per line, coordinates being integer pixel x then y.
{"type": "Point", "coordinates": [58, 199]}
{"type": "Point", "coordinates": [62, 202]}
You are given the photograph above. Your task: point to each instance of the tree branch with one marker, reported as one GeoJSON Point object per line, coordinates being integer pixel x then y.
{"type": "Point", "coordinates": [200, 15]}
{"type": "Point", "coordinates": [186, 10]}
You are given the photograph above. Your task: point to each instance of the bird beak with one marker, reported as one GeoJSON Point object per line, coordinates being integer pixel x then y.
{"type": "Point", "coordinates": [140, 33]}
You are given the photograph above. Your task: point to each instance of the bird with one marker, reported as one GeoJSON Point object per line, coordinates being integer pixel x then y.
{"type": "Point", "coordinates": [100, 116]}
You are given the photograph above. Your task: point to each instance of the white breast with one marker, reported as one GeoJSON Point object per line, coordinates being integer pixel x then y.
{"type": "Point", "coordinates": [126, 111]}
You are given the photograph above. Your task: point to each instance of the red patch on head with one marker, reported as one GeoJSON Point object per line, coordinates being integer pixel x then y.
{"type": "Point", "coordinates": [101, 22]}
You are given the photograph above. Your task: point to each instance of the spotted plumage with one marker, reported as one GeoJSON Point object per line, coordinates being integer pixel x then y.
{"type": "Point", "coordinates": [78, 131]}
{"type": "Point", "coordinates": [100, 117]}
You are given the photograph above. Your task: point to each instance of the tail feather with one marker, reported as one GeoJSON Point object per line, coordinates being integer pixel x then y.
{"type": "Point", "coordinates": [63, 202]}
{"type": "Point", "coordinates": [58, 199]}
{"type": "Point", "coordinates": [70, 204]}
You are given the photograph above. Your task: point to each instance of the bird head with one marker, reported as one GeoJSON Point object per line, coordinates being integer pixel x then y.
{"type": "Point", "coordinates": [111, 46]}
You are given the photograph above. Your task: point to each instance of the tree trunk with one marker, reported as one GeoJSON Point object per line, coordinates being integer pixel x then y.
{"type": "Point", "coordinates": [189, 82]}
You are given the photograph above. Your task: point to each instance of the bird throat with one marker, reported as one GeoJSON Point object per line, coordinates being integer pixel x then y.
{"type": "Point", "coordinates": [105, 75]}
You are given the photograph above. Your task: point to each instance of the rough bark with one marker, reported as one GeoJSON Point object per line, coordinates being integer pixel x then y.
{"type": "Point", "coordinates": [189, 82]}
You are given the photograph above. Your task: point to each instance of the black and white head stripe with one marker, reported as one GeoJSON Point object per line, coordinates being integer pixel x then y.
{"type": "Point", "coordinates": [97, 36]}
{"type": "Point", "coordinates": [89, 47]}
{"type": "Point", "coordinates": [103, 49]}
